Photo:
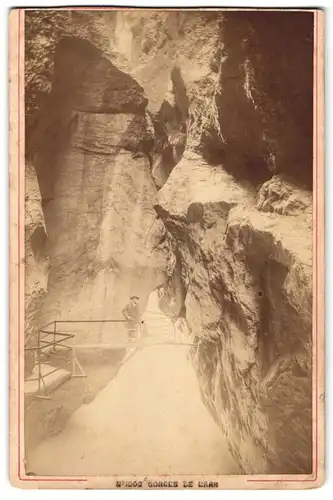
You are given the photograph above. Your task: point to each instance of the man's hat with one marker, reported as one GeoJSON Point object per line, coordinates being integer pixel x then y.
{"type": "Point", "coordinates": [134, 297]}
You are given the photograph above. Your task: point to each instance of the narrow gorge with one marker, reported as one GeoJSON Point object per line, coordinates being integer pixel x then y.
{"type": "Point", "coordinates": [172, 150]}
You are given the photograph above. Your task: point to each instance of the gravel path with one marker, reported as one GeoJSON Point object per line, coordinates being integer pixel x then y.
{"type": "Point", "coordinates": [148, 420]}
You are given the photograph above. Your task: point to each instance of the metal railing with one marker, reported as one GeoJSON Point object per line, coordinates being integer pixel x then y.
{"type": "Point", "coordinates": [48, 342]}
{"type": "Point", "coordinates": [49, 339]}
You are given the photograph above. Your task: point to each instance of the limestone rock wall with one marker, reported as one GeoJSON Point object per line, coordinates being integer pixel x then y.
{"type": "Point", "coordinates": [232, 78]}
{"type": "Point", "coordinates": [94, 167]}
{"type": "Point", "coordinates": [248, 302]}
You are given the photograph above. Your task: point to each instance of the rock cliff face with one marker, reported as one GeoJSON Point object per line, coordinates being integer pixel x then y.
{"type": "Point", "coordinates": [36, 263]}
{"type": "Point", "coordinates": [179, 151]}
{"type": "Point", "coordinates": [248, 301]}
{"type": "Point", "coordinates": [233, 78]}
{"type": "Point", "coordinates": [93, 161]}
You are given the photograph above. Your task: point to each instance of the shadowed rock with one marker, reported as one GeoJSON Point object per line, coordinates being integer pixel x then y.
{"type": "Point", "coordinates": [85, 77]}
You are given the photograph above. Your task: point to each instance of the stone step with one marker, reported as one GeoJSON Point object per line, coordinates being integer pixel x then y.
{"type": "Point", "coordinates": [52, 380]}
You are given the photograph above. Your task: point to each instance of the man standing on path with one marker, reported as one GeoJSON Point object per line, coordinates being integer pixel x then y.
{"type": "Point", "coordinates": [131, 313]}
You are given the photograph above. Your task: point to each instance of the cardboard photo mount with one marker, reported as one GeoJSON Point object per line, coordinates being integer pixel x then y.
{"type": "Point", "coordinates": [18, 475]}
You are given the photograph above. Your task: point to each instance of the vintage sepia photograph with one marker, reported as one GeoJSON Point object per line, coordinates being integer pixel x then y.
{"type": "Point", "coordinates": [167, 248]}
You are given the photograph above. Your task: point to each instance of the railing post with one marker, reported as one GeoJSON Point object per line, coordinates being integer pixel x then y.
{"type": "Point", "coordinates": [54, 335]}
{"type": "Point", "coordinates": [73, 357]}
